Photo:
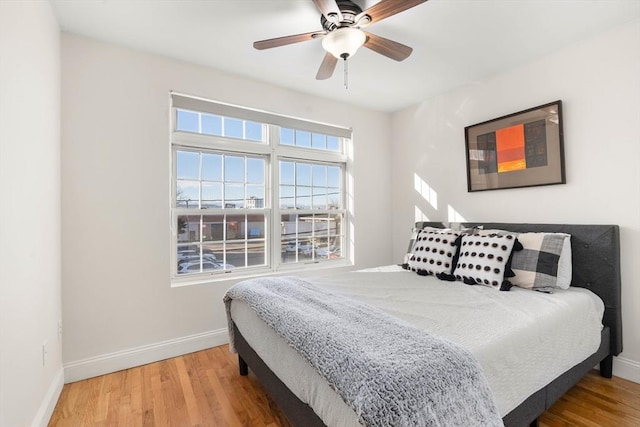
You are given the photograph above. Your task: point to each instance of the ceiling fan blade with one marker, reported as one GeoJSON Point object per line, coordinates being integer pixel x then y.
{"type": "Point", "coordinates": [329, 9]}
{"type": "Point", "coordinates": [388, 48]}
{"type": "Point", "coordinates": [282, 41]}
{"type": "Point", "coordinates": [327, 67]}
{"type": "Point", "coordinates": [386, 8]}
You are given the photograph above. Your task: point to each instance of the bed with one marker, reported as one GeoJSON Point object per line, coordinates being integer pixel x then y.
{"type": "Point", "coordinates": [595, 262]}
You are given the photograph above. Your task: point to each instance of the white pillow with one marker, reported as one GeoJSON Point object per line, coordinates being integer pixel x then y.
{"type": "Point", "coordinates": [433, 252]}
{"type": "Point", "coordinates": [483, 259]}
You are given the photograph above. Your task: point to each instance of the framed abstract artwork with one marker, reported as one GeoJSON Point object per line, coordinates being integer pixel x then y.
{"type": "Point", "coordinates": [523, 149]}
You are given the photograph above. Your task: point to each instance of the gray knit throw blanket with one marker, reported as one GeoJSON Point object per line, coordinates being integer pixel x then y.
{"type": "Point", "coordinates": [388, 371]}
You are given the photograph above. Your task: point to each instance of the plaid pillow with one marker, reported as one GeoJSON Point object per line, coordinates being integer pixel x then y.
{"type": "Point", "coordinates": [544, 262]}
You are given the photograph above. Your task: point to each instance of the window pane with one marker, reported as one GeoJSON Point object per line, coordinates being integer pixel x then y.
{"type": "Point", "coordinates": [255, 197]}
{"type": "Point", "coordinates": [187, 194]}
{"type": "Point", "coordinates": [305, 228]}
{"type": "Point", "coordinates": [211, 167]}
{"type": "Point", "coordinates": [287, 197]}
{"type": "Point", "coordinates": [303, 202]}
{"type": "Point", "coordinates": [303, 197]}
{"type": "Point", "coordinates": [213, 228]}
{"type": "Point", "coordinates": [233, 196]}
{"type": "Point", "coordinates": [188, 228]}
{"type": "Point", "coordinates": [186, 121]}
{"type": "Point", "coordinates": [317, 236]}
{"type": "Point", "coordinates": [303, 138]}
{"type": "Point", "coordinates": [287, 136]}
{"type": "Point", "coordinates": [333, 143]}
{"type": "Point", "coordinates": [255, 170]}
{"type": "Point", "coordinates": [232, 127]}
{"type": "Point", "coordinates": [319, 175]}
{"type": "Point", "coordinates": [334, 198]}
{"type": "Point", "coordinates": [211, 195]}
{"type": "Point", "coordinates": [255, 227]}
{"type": "Point", "coordinates": [187, 165]}
{"type": "Point", "coordinates": [312, 189]}
{"type": "Point", "coordinates": [236, 227]}
{"type": "Point", "coordinates": [253, 131]}
{"type": "Point", "coordinates": [256, 253]}
{"type": "Point", "coordinates": [215, 250]}
{"type": "Point", "coordinates": [319, 198]}
{"type": "Point", "coordinates": [236, 254]}
{"type": "Point", "coordinates": [289, 238]}
{"type": "Point", "coordinates": [211, 125]}
{"type": "Point", "coordinates": [287, 173]}
{"type": "Point", "coordinates": [233, 169]}
{"type": "Point", "coordinates": [318, 141]}
{"type": "Point", "coordinates": [333, 176]}
{"type": "Point", "coordinates": [303, 174]}
{"type": "Point", "coordinates": [208, 227]}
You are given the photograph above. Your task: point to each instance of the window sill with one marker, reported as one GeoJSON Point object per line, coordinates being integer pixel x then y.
{"type": "Point", "coordinates": [302, 270]}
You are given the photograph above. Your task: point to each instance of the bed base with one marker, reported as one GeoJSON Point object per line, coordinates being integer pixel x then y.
{"type": "Point", "coordinates": [297, 412]}
{"type": "Point", "coordinates": [300, 414]}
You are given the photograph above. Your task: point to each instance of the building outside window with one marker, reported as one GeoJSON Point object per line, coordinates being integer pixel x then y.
{"type": "Point", "coordinates": [254, 192]}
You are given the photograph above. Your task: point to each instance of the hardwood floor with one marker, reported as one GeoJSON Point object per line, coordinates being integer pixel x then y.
{"type": "Point", "coordinates": [205, 389]}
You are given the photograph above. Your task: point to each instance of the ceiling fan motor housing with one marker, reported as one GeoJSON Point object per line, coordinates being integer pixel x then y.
{"type": "Point", "coordinates": [349, 11]}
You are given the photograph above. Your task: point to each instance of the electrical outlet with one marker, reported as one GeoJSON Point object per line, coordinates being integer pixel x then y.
{"type": "Point", "coordinates": [59, 329]}
{"type": "Point", "coordinates": [45, 351]}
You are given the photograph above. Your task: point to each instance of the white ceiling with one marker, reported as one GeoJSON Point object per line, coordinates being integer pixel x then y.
{"type": "Point", "coordinates": [454, 41]}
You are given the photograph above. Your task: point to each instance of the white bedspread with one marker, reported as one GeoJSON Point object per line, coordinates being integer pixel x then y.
{"type": "Point", "coordinates": [523, 339]}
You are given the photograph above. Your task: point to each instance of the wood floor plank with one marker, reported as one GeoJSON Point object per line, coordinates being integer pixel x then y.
{"type": "Point", "coordinates": [187, 391]}
{"type": "Point", "coordinates": [205, 389]}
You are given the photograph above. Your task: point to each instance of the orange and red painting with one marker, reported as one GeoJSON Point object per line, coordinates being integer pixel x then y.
{"type": "Point", "coordinates": [510, 147]}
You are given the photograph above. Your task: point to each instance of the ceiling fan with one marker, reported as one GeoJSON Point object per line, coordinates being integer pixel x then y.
{"type": "Point", "coordinates": [342, 22]}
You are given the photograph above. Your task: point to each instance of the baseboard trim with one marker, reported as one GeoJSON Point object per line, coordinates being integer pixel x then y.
{"type": "Point", "coordinates": [112, 362]}
{"type": "Point", "coordinates": [627, 369]}
{"type": "Point", "coordinates": [48, 405]}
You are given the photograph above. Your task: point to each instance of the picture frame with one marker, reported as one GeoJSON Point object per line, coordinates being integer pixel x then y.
{"type": "Point", "coordinates": [523, 149]}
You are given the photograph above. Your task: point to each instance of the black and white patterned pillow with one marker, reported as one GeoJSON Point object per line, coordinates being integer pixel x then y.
{"type": "Point", "coordinates": [412, 242]}
{"type": "Point", "coordinates": [545, 261]}
{"type": "Point", "coordinates": [433, 252]}
{"type": "Point", "coordinates": [484, 259]}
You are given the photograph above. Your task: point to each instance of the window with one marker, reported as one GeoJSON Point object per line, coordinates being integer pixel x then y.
{"type": "Point", "coordinates": [254, 192]}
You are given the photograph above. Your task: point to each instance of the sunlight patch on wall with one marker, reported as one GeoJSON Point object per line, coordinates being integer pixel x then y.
{"type": "Point", "coordinates": [425, 190]}
{"type": "Point", "coordinates": [454, 216]}
{"type": "Point", "coordinates": [419, 215]}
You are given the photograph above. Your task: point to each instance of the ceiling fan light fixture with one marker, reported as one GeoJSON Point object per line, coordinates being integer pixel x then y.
{"type": "Point", "coordinates": [344, 42]}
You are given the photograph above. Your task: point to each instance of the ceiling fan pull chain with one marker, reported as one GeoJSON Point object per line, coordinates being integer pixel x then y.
{"type": "Point", "coordinates": [346, 74]}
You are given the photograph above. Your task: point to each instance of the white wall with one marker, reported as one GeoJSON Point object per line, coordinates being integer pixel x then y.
{"type": "Point", "coordinates": [119, 308]}
{"type": "Point", "coordinates": [598, 81]}
{"type": "Point", "coordinates": [29, 213]}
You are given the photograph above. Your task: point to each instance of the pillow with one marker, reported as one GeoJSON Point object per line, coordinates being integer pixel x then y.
{"type": "Point", "coordinates": [485, 260]}
{"type": "Point", "coordinates": [545, 261]}
{"type": "Point", "coordinates": [433, 251]}
{"type": "Point", "coordinates": [412, 241]}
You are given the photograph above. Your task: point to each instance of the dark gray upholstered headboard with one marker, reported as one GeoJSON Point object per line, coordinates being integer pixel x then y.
{"type": "Point", "coordinates": [595, 260]}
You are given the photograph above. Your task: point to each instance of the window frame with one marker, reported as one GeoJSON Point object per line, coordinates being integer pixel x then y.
{"type": "Point", "coordinates": [273, 152]}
